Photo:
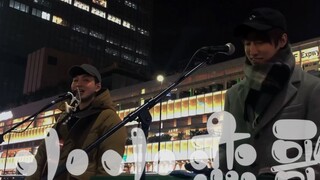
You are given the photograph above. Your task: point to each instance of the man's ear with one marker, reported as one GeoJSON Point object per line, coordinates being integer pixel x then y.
{"type": "Point", "coordinates": [283, 40]}
{"type": "Point", "coordinates": [98, 86]}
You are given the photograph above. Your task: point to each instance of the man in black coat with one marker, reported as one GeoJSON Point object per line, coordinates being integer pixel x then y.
{"type": "Point", "coordinates": [277, 105]}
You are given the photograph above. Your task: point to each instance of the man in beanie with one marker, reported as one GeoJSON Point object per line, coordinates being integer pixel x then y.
{"type": "Point", "coordinates": [273, 89]}
{"type": "Point", "coordinates": [94, 116]}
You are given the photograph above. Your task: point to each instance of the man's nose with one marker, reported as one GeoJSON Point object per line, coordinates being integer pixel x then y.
{"type": "Point", "coordinates": [253, 49]}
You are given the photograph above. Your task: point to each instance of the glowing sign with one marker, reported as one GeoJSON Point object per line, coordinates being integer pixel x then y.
{"type": "Point", "coordinates": [5, 115]}
{"type": "Point", "coordinates": [310, 53]}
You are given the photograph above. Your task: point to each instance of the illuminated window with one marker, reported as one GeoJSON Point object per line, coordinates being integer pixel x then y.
{"type": "Point", "coordinates": [41, 14]}
{"type": "Point", "coordinates": [141, 61]}
{"type": "Point", "coordinates": [127, 46]}
{"type": "Point", "coordinates": [130, 4]}
{"type": "Point", "coordinates": [48, 120]}
{"type": "Point", "coordinates": [113, 41]}
{"type": "Point", "coordinates": [59, 20]}
{"type": "Point", "coordinates": [48, 113]}
{"type": "Point", "coordinates": [43, 3]}
{"type": "Point", "coordinates": [192, 106]}
{"type": "Point", "coordinates": [36, 12]}
{"type": "Point", "coordinates": [200, 104]}
{"type": "Point", "coordinates": [217, 101]}
{"type": "Point", "coordinates": [102, 3]}
{"type": "Point", "coordinates": [45, 15]}
{"type": "Point", "coordinates": [128, 25]}
{"type": "Point", "coordinates": [204, 103]}
{"type": "Point", "coordinates": [311, 66]}
{"type": "Point", "coordinates": [98, 12]}
{"type": "Point", "coordinates": [67, 1]}
{"type": "Point", "coordinates": [170, 109]}
{"type": "Point", "coordinates": [112, 51]}
{"type": "Point", "coordinates": [96, 35]}
{"type": "Point", "coordinates": [81, 5]}
{"type": "Point", "coordinates": [114, 19]}
{"type": "Point", "coordinates": [127, 56]}
{"type": "Point", "coordinates": [297, 56]}
{"type": "Point", "coordinates": [5, 115]}
{"type": "Point", "coordinates": [19, 6]}
{"type": "Point", "coordinates": [57, 111]}
{"type": "Point", "coordinates": [156, 112]}
{"type": "Point", "coordinates": [80, 29]}
{"type": "Point", "coordinates": [138, 51]}
{"type": "Point", "coordinates": [142, 31]}
{"type": "Point", "coordinates": [163, 111]}
{"type": "Point", "coordinates": [142, 52]}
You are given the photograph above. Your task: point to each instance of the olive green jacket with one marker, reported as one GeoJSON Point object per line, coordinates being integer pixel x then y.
{"type": "Point", "coordinates": [99, 118]}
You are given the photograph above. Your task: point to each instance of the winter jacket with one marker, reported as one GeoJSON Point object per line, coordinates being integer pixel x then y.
{"type": "Point", "coordinates": [298, 100]}
{"type": "Point", "coordinates": [83, 128]}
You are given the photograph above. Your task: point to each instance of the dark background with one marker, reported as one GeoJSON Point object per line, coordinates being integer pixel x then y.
{"type": "Point", "coordinates": [180, 27]}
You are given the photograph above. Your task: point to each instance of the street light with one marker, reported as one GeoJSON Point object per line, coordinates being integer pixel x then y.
{"type": "Point", "coordinates": [160, 79]}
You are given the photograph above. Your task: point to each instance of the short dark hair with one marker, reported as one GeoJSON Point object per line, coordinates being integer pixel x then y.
{"type": "Point", "coordinates": [96, 80]}
{"type": "Point", "coordinates": [273, 35]}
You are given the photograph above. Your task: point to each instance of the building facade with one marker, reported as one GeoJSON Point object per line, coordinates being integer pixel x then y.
{"type": "Point", "coordinates": [107, 31]}
{"type": "Point", "coordinates": [179, 122]}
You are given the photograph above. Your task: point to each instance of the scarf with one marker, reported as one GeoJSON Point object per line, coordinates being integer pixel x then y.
{"type": "Point", "coordinates": [263, 81]}
{"type": "Point", "coordinates": [272, 76]}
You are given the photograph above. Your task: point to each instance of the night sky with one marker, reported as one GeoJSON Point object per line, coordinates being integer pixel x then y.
{"type": "Point", "coordinates": [180, 27]}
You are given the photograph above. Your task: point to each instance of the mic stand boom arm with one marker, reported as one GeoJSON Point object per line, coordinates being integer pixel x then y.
{"type": "Point", "coordinates": [59, 99]}
{"type": "Point", "coordinates": [148, 105]}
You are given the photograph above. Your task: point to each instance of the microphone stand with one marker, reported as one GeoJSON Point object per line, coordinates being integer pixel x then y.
{"type": "Point", "coordinates": [143, 109]}
{"type": "Point", "coordinates": [59, 99]}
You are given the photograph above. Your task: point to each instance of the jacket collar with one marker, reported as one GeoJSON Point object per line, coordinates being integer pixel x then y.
{"type": "Point", "coordinates": [103, 100]}
{"type": "Point", "coordinates": [281, 99]}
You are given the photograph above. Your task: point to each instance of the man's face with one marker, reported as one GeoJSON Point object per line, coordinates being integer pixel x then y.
{"type": "Point", "coordinates": [259, 51]}
{"type": "Point", "coordinates": [86, 85]}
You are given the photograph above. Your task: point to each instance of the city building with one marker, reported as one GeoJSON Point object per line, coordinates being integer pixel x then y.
{"type": "Point", "coordinates": [179, 122]}
{"type": "Point", "coordinates": [113, 33]}
{"type": "Point", "coordinates": [47, 68]}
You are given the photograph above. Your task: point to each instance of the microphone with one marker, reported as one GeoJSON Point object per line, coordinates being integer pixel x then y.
{"type": "Point", "coordinates": [68, 95]}
{"type": "Point", "coordinates": [227, 49]}
{"type": "Point", "coordinates": [74, 102]}
{"type": "Point", "coordinates": [74, 97]}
